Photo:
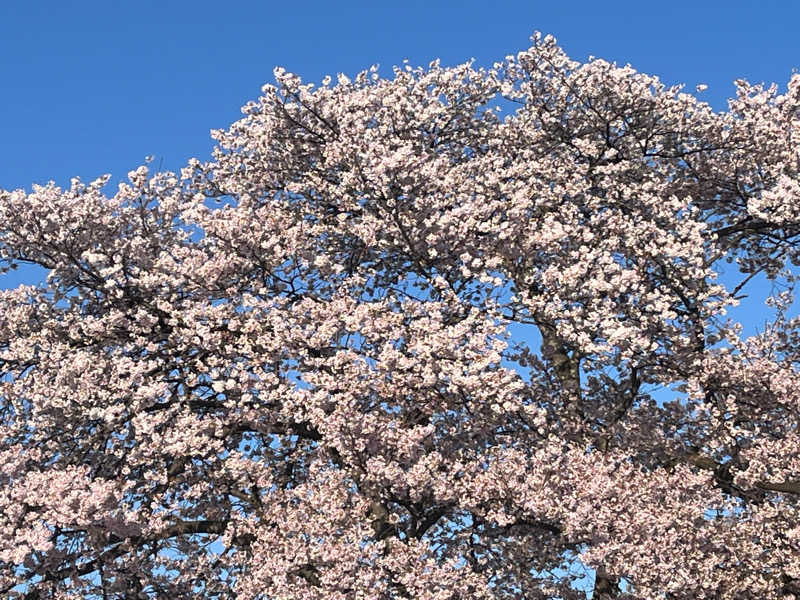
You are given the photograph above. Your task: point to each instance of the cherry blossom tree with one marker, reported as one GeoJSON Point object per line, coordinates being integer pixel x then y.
{"type": "Point", "coordinates": [295, 371]}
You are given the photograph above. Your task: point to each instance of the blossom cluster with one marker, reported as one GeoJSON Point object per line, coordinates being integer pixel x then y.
{"type": "Point", "coordinates": [292, 371]}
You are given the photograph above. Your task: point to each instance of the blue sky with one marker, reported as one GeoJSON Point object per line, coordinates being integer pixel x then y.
{"type": "Point", "coordinates": [93, 87]}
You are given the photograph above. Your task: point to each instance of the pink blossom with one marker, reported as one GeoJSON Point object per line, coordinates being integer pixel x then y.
{"type": "Point", "coordinates": [318, 389]}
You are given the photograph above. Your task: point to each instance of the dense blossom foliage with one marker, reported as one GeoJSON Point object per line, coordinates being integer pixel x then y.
{"type": "Point", "coordinates": [296, 371]}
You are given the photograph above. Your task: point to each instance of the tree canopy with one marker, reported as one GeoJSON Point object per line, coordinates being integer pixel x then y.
{"type": "Point", "coordinates": [290, 372]}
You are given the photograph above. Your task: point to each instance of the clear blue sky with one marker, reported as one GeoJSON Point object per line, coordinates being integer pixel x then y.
{"type": "Point", "coordinates": [93, 87]}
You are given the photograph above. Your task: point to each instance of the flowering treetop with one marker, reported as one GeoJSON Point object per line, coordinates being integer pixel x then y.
{"type": "Point", "coordinates": [288, 373]}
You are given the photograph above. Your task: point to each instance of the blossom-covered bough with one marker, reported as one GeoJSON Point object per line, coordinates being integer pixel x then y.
{"type": "Point", "coordinates": [288, 373]}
